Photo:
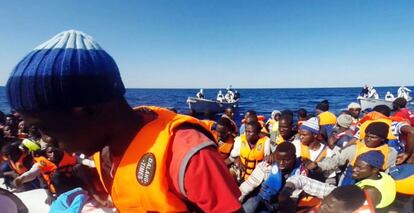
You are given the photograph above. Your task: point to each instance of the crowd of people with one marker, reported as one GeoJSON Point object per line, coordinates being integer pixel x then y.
{"type": "Point", "coordinates": [73, 133]}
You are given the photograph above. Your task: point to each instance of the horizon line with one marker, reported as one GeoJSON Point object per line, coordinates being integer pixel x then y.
{"type": "Point", "coordinates": [328, 87]}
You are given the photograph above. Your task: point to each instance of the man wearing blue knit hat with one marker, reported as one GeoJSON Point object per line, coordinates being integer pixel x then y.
{"type": "Point", "coordinates": [147, 158]}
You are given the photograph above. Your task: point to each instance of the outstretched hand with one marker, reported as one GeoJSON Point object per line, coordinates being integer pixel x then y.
{"type": "Point", "coordinates": [70, 202]}
{"type": "Point", "coordinates": [401, 158]}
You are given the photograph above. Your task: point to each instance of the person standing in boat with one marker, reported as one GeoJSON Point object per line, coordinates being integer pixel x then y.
{"type": "Point", "coordinates": [147, 158]}
{"type": "Point", "coordinates": [200, 94]}
{"type": "Point", "coordinates": [373, 93]}
{"type": "Point", "coordinates": [236, 95]}
{"type": "Point", "coordinates": [229, 95]}
{"type": "Point", "coordinates": [364, 92]}
{"type": "Point", "coordinates": [220, 97]}
{"type": "Point", "coordinates": [404, 92]}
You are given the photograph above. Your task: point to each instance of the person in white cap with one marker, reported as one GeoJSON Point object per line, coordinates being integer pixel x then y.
{"type": "Point", "coordinates": [148, 158]}
{"type": "Point", "coordinates": [342, 133]}
{"type": "Point", "coordinates": [354, 110]}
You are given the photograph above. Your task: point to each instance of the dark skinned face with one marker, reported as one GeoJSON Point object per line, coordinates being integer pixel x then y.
{"type": "Point", "coordinates": [252, 134]}
{"type": "Point", "coordinates": [355, 112]}
{"type": "Point", "coordinates": [222, 133]}
{"type": "Point", "coordinates": [373, 141]}
{"type": "Point", "coordinates": [285, 160]}
{"type": "Point", "coordinates": [285, 129]}
{"type": "Point", "coordinates": [306, 137]}
{"type": "Point", "coordinates": [363, 170]}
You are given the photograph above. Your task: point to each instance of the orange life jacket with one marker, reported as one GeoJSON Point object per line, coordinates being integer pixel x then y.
{"type": "Point", "coordinates": [18, 166]}
{"type": "Point", "coordinates": [225, 147]}
{"type": "Point", "coordinates": [210, 124]}
{"type": "Point", "coordinates": [251, 156]}
{"type": "Point", "coordinates": [140, 183]}
{"type": "Point", "coordinates": [48, 168]}
{"type": "Point", "coordinates": [361, 148]}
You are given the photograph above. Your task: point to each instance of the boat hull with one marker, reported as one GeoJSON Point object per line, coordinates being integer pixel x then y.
{"type": "Point", "coordinates": [199, 105]}
{"type": "Point", "coordinates": [369, 103]}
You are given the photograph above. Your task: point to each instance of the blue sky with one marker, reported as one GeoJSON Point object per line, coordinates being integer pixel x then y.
{"type": "Point", "coordinates": [211, 44]}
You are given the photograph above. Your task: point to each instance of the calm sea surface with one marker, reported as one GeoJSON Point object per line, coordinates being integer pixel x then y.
{"type": "Point", "coordinates": [261, 100]}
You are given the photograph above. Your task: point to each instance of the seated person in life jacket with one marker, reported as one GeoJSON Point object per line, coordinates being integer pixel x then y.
{"type": "Point", "coordinates": [400, 133]}
{"type": "Point", "coordinates": [6, 172]}
{"type": "Point", "coordinates": [309, 148]}
{"type": "Point", "coordinates": [229, 114]}
{"type": "Point", "coordinates": [148, 158]}
{"type": "Point", "coordinates": [285, 132]}
{"type": "Point", "coordinates": [327, 119]}
{"type": "Point", "coordinates": [23, 130]}
{"type": "Point", "coordinates": [271, 178]}
{"type": "Point", "coordinates": [251, 115]}
{"type": "Point", "coordinates": [57, 171]}
{"type": "Point", "coordinates": [341, 133]}
{"type": "Point", "coordinates": [20, 161]}
{"type": "Point", "coordinates": [249, 149]}
{"type": "Point", "coordinates": [272, 124]}
{"type": "Point", "coordinates": [354, 110]}
{"type": "Point", "coordinates": [379, 186]}
{"type": "Point", "coordinates": [224, 137]}
{"type": "Point", "coordinates": [375, 139]}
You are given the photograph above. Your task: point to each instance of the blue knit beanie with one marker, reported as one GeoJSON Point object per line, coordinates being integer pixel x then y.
{"type": "Point", "coordinates": [373, 158]}
{"type": "Point", "coordinates": [69, 70]}
{"type": "Point", "coordinates": [312, 125]}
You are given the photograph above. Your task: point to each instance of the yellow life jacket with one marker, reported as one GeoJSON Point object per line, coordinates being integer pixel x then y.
{"type": "Point", "coordinates": [250, 157]}
{"type": "Point", "coordinates": [363, 126]}
{"type": "Point", "coordinates": [305, 152]}
{"type": "Point", "coordinates": [140, 183]}
{"type": "Point", "coordinates": [274, 124]}
{"type": "Point", "coordinates": [385, 185]}
{"type": "Point", "coordinates": [326, 118]}
{"type": "Point", "coordinates": [361, 148]}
